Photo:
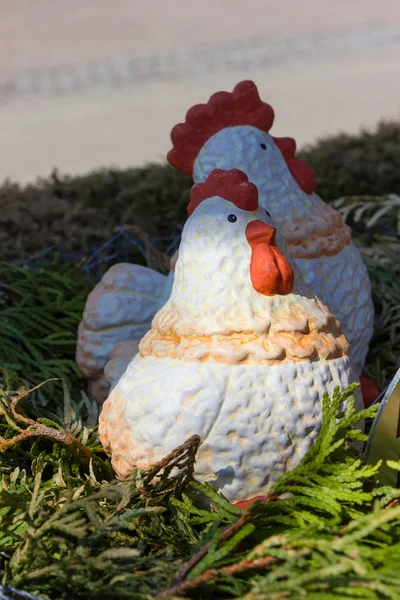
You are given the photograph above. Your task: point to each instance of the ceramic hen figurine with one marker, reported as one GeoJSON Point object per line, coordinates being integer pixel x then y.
{"type": "Point", "coordinates": [241, 353]}
{"type": "Point", "coordinates": [232, 131]}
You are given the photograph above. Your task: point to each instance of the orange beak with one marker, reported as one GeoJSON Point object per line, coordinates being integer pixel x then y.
{"type": "Point", "coordinates": [258, 232]}
{"type": "Point", "coordinates": [270, 271]}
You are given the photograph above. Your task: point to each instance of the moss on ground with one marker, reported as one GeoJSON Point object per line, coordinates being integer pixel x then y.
{"type": "Point", "coordinates": [76, 213]}
{"type": "Point", "coordinates": [351, 165]}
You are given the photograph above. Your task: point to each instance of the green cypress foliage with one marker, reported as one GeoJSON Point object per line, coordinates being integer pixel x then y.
{"type": "Point", "coordinates": [69, 530]}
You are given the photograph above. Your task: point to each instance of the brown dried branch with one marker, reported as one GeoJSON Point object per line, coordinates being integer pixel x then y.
{"type": "Point", "coordinates": [240, 567]}
{"type": "Point", "coordinates": [393, 503]}
{"type": "Point", "coordinates": [10, 411]}
{"type": "Point", "coordinates": [182, 458]}
{"type": "Point", "coordinates": [40, 430]}
{"type": "Point", "coordinates": [13, 406]}
{"type": "Point", "coordinates": [189, 448]}
{"type": "Point", "coordinates": [35, 429]}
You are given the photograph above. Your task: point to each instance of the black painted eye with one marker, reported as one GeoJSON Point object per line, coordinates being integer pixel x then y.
{"type": "Point", "coordinates": [232, 218]}
{"type": "Point", "coordinates": [268, 214]}
{"type": "Point", "coordinates": [263, 146]}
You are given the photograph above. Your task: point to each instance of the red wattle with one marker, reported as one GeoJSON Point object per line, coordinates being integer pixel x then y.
{"type": "Point", "coordinates": [286, 145]}
{"type": "Point", "coordinates": [270, 271]}
{"type": "Point", "coordinates": [369, 390]}
{"type": "Point", "coordinates": [303, 174]}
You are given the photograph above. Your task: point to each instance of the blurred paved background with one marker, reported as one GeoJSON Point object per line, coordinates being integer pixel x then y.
{"type": "Point", "coordinates": [90, 83]}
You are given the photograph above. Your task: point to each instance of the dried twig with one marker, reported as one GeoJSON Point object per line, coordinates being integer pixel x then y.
{"type": "Point", "coordinates": [244, 565]}
{"type": "Point", "coordinates": [392, 503]}
{"type": "Point", "coordinates": [39, 430]}
{"type": "Point", "coordinates": [35, 429]}
{"type": "Point", "coordinates": [182, 458]}
{"type": "Point", "coordinates": [186, 452]}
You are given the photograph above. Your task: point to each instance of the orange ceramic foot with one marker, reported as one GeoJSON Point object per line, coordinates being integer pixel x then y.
{"type": "Point", "coordinates": [369, 390]}
{"type": "Point", "coordinates": [245, 504]}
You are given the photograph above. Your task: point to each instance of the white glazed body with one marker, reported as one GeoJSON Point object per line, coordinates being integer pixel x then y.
{"type": "Point", "coordinates": [342, 283]}
{"type": "Point", "coordinates": [255, 422]}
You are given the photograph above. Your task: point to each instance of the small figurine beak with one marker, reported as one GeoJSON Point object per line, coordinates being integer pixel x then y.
{"type": "Point", "coordinates": [258, 232]}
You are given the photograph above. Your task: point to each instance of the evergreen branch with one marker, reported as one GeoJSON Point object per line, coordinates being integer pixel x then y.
{"type": "Point", "coordinates": [185, 568]}
{"type": "Point", "coordinates": [228, 533]}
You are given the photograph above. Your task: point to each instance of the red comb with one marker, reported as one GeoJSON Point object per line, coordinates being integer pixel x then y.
{"type": "Point", "coordinates": [243, 106]}
{"type": "Point", "coordinates": [224, 109]}
{"type": "Point", "coordinates": [232, 185]}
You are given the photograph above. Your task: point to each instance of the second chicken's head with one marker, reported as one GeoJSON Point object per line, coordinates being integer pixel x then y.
{"type": "Point", "coordinates": [232, 131]}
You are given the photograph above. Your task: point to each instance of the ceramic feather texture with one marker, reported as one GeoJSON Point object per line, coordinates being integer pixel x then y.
{"type": "Point", "coordinates": [120, 308]}
{"type": "Point", "coordinates": [231, 131]}
{"type": "Point", "coordinates": [244, 370]}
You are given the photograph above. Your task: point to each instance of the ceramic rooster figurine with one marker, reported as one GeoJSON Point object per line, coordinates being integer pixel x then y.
{"type": "Point", "coordinates": [241, 353]}
{"type": "Point", "coordinates": [231, 131]}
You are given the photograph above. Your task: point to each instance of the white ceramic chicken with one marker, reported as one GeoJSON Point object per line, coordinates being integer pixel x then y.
{"type": "Point", "coordinates": [119, 310]}
{"type": "Point", "coordinates": [241, 353]}
{"type": "Point", "coordinates": [231, 132]}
